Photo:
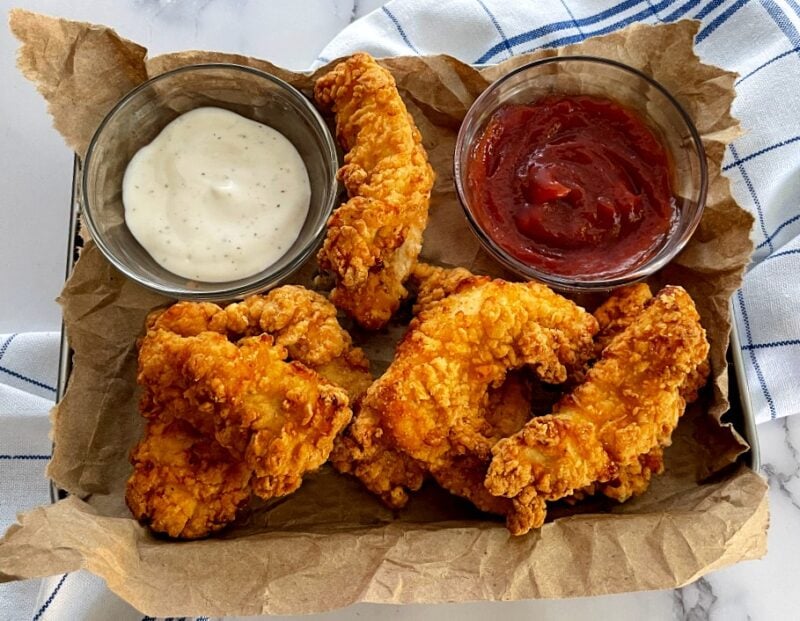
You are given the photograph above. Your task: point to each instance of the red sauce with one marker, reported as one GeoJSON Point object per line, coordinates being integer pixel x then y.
{"type": "Point", "coordinates": [576, 186]}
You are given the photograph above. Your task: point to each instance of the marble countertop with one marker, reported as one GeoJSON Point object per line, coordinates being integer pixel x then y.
{"type": "Point", "coordinates": [36, 190]}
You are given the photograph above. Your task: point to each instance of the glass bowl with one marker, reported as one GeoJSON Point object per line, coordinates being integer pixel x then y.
{"type": "Point", "coordinates": [141, 115]}
{"type": "Point", "coordinates": [599, 77]}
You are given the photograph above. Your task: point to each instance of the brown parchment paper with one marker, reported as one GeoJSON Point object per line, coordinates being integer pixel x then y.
{"type": "Point", "coordinates": [331, 543]}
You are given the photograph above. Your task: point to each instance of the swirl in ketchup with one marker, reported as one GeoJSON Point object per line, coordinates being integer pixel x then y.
{"type": "Point", "coordinates": [573, 185]}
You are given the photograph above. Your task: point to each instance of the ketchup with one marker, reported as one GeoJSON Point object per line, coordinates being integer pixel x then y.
{"type": "Point", "coordinates": [576, 186]}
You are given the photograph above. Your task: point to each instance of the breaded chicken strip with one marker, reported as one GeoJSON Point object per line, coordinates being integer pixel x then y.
{"type": "Point", "coordinates": [374, 239]}
{"type": "Point", "coordinates": [629, 405]}
{"type": "Point", "coordinates": [433, 283]}
{"type": "Point", "coordinates": [238, 417]}
{"type": "Point", "coordinates": [614, 315]}
{"type": "Point", "coordinates": [302, 321]}
{"type": "Point", "coordinates": [507, 407]}
{"type": "Point", "coordinates": [279, 417]}
{"type": "Point", "coordinates": [185, 484]}
{"type": "Point", "coordinates": [367, 452]}
{"type": "Point", "coordinates": [508, 404]}
{"type": "Point", "coordinates": [621, 309]}
{"type": "Point", "coordinates": [430, 405]}
{"type": "Point", "coordinates": [505, 412]}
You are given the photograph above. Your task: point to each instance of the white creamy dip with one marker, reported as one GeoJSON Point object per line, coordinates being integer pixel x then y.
{"type": "Point", "coordinates": [216, 197]}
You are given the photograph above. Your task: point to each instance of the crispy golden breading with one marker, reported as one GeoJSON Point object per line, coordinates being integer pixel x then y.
{"type": "Point", "coordinates": [241, 419]}
{"type": "Point", "coordinates": [508, 407]}
{"type": "Point", "coordinates": [433, 283]}
{"type": "Point", "coordinates": [430, 405]}
{"type": "Point", "coordinates": [374, 239]}
{"type": "Point", "coordinates": [629, 405]}
{"type": "Point", "coordinates": [614, 315]}
{"type": "Point", "coordinates": [185, 484]}
{"type": "Point", "coordinates": [633, 478]}
{"type": "Point", "coordinates": [302, 321]}
{"type": "Point", "coordinates": [621, 309]}
{"type": "Point", "coordinates": [279, 417]}
{"type": "Point", "coordinates": [365, 451]}
{"type": "Point", "coordinates": [506, 410]}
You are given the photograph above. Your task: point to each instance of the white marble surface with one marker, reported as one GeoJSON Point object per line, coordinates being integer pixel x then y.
{"type": "Point", "coordinates": [35, 186]}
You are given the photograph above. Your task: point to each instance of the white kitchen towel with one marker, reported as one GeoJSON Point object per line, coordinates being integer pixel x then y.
{"type": "Point", "coordinates": [28, 369]}
{"type": "Point", "coordinates": [758, 38]}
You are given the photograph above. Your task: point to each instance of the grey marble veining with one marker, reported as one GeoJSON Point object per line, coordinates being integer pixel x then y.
{"type": "Point", "coordinates": [766, 589]}
{"type": "Point", "coordinates": [694, 602]}
{"type": "Point", "coordinates": [783, 468]}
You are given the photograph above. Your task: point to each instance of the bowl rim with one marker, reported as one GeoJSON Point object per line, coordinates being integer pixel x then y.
{"type": "Point", "coordinates": [648, 268]}
{"type": "Point", "coordinates": [223, 291]}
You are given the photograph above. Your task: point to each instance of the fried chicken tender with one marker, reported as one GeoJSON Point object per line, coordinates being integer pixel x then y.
{"type": "Point", "coordinates": [374, 239]}
{"type": "Point", "coordinates": [619, 311]}
{"type": "Point", "coordinates": [367, 452]}
{"type": "Point", "coordinates": [430, 407]}
{"type": "Point", "coordinates": [279, 417]}
{"type": "Point", "coordinates": [505, 412]}
{"type": "Point", "coordinates": [614, 315]}
{"type": "Point", "coordinates": [185, 484]}
{"type": "Point", "coordinates": [628, 406]}
{"type": "Point", "coordinates": [435, 283]}
{"type": "Point", "coordinates": [302, 321]}
{"type": "Point", "coordinates": [229, 414]}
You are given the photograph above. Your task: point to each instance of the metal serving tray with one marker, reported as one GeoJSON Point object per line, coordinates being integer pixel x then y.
{"type": "Point", "coordinates": [740, 414]}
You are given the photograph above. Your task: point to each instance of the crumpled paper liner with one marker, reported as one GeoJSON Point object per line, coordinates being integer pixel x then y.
{"type": "Point", "coordinates": [332, 543]}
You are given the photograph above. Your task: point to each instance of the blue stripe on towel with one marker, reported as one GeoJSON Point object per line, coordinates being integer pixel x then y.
{"type": "Point", "coordinates": [27, 379]}
{"type": "Point", "coordinates": [708, 8]}
{"type": "Point", "coordinates": [737, 160]}
{"type": "Point", "coordinates": [681, 10]}
{"type": "Point", "coordinates": [752, 190]}
{"type": "Point", "coordinates": [497, 26]}
{"type": "Point", "coordinates": [794, 50]}
{"type": "Point", "coordinates": [783, 21]}
{"type": "Point", "coordinates": [753, 358]}
{"type": "Point", "coordinates": [782, 254]}
{"type": "Point", "coordinates": [574, 21]}
{"type": "Point", "coordinates": [654, 12]}
{"type": "Point", "coordinates": [719, 20]}
{"type": "Point", "coordinates": [636, 17]}
{"type": "Point", "coordinates": [25, 457]}
{"type": "Point", "coordinates": [397, 25]}
{"type": "Point", "coordinates": [50, 599]}
{"type": "Point", "coordinates": [535, 33]}
{"type": "Point", "coordinates": [4, 346]}
{"type": "Point", "coordinates": [782, 225]}
{"type": "Point", "coordinates": [771, 345]}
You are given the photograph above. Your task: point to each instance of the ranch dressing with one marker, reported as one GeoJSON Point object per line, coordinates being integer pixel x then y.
{"type": "Point", "coordinates": [216, 197]}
